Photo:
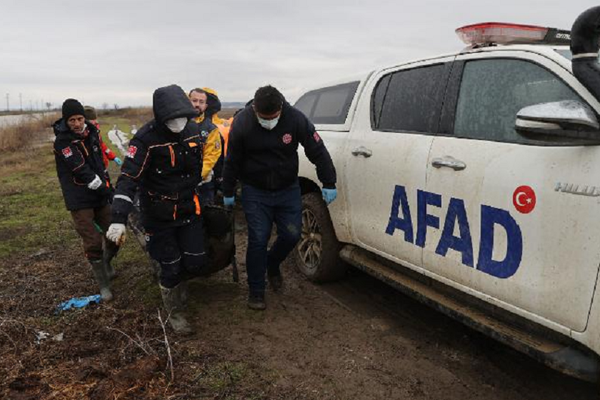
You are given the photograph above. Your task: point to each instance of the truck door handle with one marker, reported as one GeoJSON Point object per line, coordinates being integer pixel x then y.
{"type": "Point", "coordinates": [362, 151]}
{"type": "Point", "coordinates": [449, 162]}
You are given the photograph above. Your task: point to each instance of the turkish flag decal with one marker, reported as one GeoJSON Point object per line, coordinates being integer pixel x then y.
{"type": "Point", "coordinates": [131, 152]}
{"type": "Point", "coordinates": [67, 152]}
{"type": "Point", "coordinates": [524, 199]}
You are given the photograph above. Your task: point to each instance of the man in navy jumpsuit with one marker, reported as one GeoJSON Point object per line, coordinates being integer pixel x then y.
{"type": "Point", "coordinates": [164, 161]}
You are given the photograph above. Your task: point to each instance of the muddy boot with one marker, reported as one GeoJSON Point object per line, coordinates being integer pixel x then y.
{"type": "Point", "coordinates": [102, 279]}
{"type": "Point", "coordinates": [175, 307]}
{"type": "Point", "coordinates": [184, 292]}
{"type": "Point", "coordinates": [275, 281]}
{"type": "Point", "coordinates": [109, 253]}
{"type": "Point", "coordinates": [256, 301]}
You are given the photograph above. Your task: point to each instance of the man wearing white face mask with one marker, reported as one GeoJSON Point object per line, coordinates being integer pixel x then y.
{"type": "Point", "coordinates": [164, 161]}
{"type": "Point", "coordinates": [263, 155]}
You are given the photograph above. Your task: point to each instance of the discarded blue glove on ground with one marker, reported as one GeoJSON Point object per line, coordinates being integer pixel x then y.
{"type": "Point", "coordinates": [78, 302]}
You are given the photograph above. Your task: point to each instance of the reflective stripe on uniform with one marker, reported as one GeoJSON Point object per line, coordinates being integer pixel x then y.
{"type": "Point", "coordinates": [123, 197]}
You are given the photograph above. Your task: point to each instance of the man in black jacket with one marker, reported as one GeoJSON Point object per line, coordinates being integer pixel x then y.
{"type": "Point", "coordinates": [263, 155]}
{"type": "Point", "coordinates": [164, 161]}
{"type": "Point", "coordinates": [85, 188]}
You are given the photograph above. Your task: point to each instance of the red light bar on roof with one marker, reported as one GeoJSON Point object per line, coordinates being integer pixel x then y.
{"type": "Point", "coordinates": [502, 33]}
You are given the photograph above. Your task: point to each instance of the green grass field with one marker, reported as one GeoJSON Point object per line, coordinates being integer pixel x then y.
{"type": "Point", "coordinates": [42, 263]}
{"type": "Point", "coordinates": [32, 212]}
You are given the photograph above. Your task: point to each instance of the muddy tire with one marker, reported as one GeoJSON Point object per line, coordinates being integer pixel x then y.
{"type": "Point", "coordinates": [317, 253]}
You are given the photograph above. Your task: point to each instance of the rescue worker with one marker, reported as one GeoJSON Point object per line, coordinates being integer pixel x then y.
{"type": "Point", "coordinates": [164, 161]}
{"type": "Point", "coordinates": [212, 147]}
{"type": "Point", "coordinates": [212, 111]}
{"type": "Point", "coordinates": [107, 154]}
{"type": "Point", "coordinates": [85, 188]}
{"type": "Point", "coordinates": [262, 154]}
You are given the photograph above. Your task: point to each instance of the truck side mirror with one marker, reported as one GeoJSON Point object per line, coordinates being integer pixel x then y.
{"type": "Point", "coordinates": [569, 119]}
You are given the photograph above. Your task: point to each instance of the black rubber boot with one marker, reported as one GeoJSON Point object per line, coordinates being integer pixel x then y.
{"type": "Point", "coordinates": [184, 294]}
{"type": "Point", "coordinates": [256, 301]}
{"type": "Point", "coordinates": [102, 279]}
{"type": "Point", "coordinates": [275, 281]}
{"type": "Point", "coordinates": [175, 308]}
{"type": "Point", "coordinates": [109, 253]}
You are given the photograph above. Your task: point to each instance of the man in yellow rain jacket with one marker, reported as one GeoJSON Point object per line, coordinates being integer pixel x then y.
{"type": "Point", "coordinates": [212, 146]}
{"type": "Point", "coordinates": [212, 109]}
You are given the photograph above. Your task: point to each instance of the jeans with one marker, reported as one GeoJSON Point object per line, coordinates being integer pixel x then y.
{"type": "Point", "coordinates": [179, 251]}
{"type": "Point", "coordinates": [262, 208]}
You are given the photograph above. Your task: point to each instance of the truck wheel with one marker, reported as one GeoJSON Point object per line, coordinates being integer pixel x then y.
{"type": "Point", "coordinates": [317, 253]}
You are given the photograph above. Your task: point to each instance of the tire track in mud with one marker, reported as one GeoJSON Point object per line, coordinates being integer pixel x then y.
{"type": "Point", "coordinates": [478, 365]}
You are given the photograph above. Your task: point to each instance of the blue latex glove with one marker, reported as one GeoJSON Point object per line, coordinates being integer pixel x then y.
{"type": "Point", "coordinates": [229, 201]}
{"type": "Point", "coordinates": [329, 195]}
{"type": "Point", "coordinates": [78, 302]}
{"type": "Point", "coordinates": [118, 161]}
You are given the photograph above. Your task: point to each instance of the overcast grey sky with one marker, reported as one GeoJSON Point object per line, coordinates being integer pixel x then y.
{"type": "Point", "coordinates": [119, 51]}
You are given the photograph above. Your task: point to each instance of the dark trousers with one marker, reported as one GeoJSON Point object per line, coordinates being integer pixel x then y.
{"type": "Point", "coordinates": [91, 224]}
{"type": "Point", "coordinates": [179, 251]}
{"type": "Point", "coordinates": [207, 193]}
{"type": "Point", "coordinates": [262, 208]}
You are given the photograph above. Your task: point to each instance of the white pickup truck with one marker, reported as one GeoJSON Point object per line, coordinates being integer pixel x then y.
{"type": "Point", "coordinates": [471, 181]}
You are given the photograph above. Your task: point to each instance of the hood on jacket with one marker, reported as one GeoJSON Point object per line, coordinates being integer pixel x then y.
{"type": "Point", "coordinates": [171, 102]}
{"type": "Point", "coordinates": [60, 127]}
{"type": "Point", "coordinates": [212, 101]}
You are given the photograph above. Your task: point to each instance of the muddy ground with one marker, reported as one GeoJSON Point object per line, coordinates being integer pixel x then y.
{"type": "Point", "coordinates": [356, 339]}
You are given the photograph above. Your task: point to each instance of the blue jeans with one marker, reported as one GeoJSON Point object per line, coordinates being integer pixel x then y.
{"type": "Point", "coordinates": [262, 208]}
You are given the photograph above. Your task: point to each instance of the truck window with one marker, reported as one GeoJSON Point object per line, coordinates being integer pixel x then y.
{"type": "Point", "coordinates": [493, 91]}
{"type": "Point", "coordinates": [306, 103]}
{"type": "Point", "coordinates": [377, 100]}
{"type": "Point", "coordinates": [412, 100]}
{"type": "Point", "coordinates": [329, 105]}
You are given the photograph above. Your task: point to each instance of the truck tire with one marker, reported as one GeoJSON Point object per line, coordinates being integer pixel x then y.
{"type": "Point", "coordinates": [317, 253]}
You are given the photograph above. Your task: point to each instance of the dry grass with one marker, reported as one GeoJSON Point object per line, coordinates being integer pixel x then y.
{"type": "Point", "coordinates": [144, 113]}
{"type": "Point", "coordinates": [134, 116]}
{"type": "Point", "coordinates": [15, 162]}
{"type": "Point", "coordinates": [227, 113]}
{"type": "Point", "coordinates": [33, 129]}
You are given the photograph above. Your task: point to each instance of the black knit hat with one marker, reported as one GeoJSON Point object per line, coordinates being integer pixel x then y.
{"type": "Point", "coordinates": [72, 107]}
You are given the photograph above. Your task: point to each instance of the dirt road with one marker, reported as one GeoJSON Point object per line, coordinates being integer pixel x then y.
{"type": "Point", "coordinates": [360, 339]}
{"type": "Point", "coordinates": [356, 339]}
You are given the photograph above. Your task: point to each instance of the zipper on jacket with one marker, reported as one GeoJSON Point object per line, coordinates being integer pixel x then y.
{"type": "Point", "coordinates": [197, 204]}
{"type": "Point", "coordinates": [172, 155]}
{"type": "Point", "coordinates": [87, 153]}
